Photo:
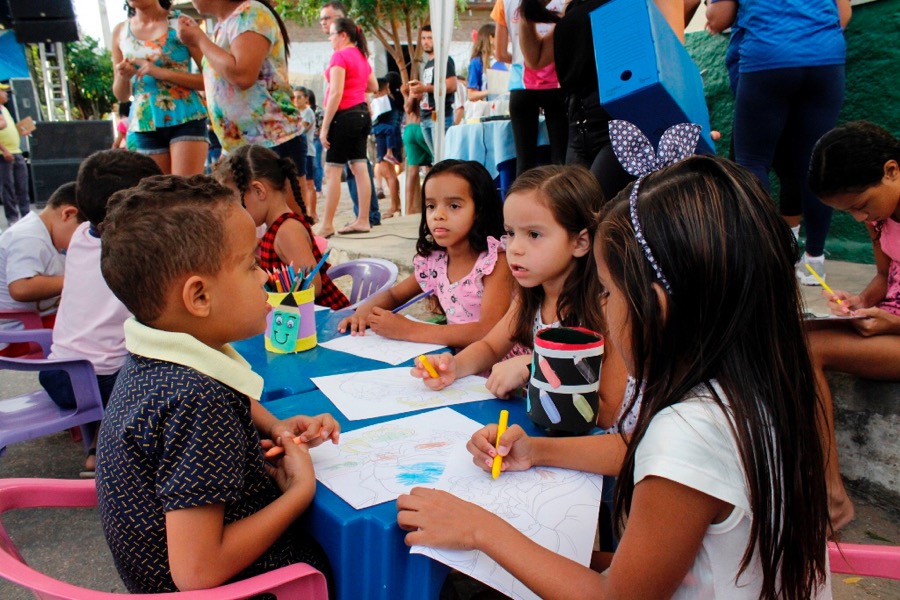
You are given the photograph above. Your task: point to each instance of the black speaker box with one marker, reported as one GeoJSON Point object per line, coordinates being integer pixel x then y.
{"type": "Point", "coordinates": [58, 140]}
{"type": "Point", "coordinates": [25, 99]}
{"type": "Point", "coordinates": [48, 175]}
{"type": "Point", "coordinates": [23, 10]}
{"type": "Point", "coordinates": [39, 31]}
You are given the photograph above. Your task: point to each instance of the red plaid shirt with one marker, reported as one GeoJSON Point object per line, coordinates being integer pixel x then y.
{"type": "Point", "coordinates": [329, 294]}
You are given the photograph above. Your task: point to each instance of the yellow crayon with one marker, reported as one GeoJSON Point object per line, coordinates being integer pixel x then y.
{"type": "Point", "coordinates": [822, 281]}
{"type": "Point", "coordinates": [424, 360]}
{"type": "Point", "coordinates": [501, 429]}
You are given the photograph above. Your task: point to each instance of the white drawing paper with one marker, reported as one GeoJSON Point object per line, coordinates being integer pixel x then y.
{"type": "Point", "coordinates": [382, 392]}
{"type": "Point", "coordinates": [375, 347]}
{"type": "Point", "coordinates": [376, 464]}
{"type": "Point", "coordinates": [556, 508]}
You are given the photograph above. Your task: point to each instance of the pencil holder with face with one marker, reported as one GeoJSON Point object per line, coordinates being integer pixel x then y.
{"type": "Point", "coordinates": [292, 322]}
{"type": "Point", "coordinates": [563, 392]}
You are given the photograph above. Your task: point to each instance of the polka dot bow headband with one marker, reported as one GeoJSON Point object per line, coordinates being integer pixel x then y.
{"type": "Point", "coordinates": [637, 157]}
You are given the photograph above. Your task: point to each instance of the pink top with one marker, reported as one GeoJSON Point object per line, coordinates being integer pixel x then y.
{"type": "Point", "coordinates": [461, 300]}
{"type": "Point", "coordinates": [357, 71]}
{"type": "Point", "coordinates": [889, 237]}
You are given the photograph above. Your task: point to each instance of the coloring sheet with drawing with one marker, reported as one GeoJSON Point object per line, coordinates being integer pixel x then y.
{"type": "Point", "coordinates": [382, 392]}
{"type": "Point", "coordinates": [556, 508]}
{"type": "Point", "coordinates": [375, 347]}
{"type": "Point", "coordinates": [376, 464]}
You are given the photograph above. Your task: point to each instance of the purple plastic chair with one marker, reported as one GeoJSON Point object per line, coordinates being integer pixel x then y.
{"type": "Point", "coordinates": [31, 320]}
{"type": "Point", "coordinates": [370, 276]}
{"type": "Point", "coordinates": [865, 559]}
{"type": "Point", "coordinates": [299, 581]}
{"type": "Point", "coordinates": [34, 414]}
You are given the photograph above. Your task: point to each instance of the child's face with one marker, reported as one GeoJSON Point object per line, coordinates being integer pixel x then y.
{"type": "Point", "coordinates": [63, 225]}
{"type": "Point", "coordinates": [875, 203]}
{"type": "Point", "coordinates": [539, 250]}
{"type": "Point", "coordinates": [238, 300]}
{"type": "Point", "coordinates": [300, 100]}
{"type": "Point", "coordinates": [449, 210]}
{"type": "Point", "coordinates": [615, 311]}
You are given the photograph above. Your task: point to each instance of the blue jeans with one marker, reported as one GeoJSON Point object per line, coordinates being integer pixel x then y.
{"type": "Point", "coordinates": [805, 100]}
{"type": "Point", "coordinates": [428, 129]}
{"type": "Point", "coordinates": [374, 214]}
{"type": "Point", "coordinates": [318, 172]}
{"type": "Point", "coordinates": [14, 188]}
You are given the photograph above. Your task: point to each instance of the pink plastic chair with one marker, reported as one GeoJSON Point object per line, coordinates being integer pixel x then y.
{"type": "Point", "coordinates": [34, 414]}
{"type": "Point", "coordinates": [31, 320]}
{"type": "Point", "coordinates": [370, 276]}
{"type": "Point", "coordinates": [866, 560]}
{"type": "Point", "coordinates": [298, 581]}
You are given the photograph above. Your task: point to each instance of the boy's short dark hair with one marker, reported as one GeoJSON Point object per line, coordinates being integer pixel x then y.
{"type": "Point", "coordinates": [63, 196]}
{"type": "Point", "coordinates": [104, 173]}
{"type": "Point", "coordinates": [162, 229]}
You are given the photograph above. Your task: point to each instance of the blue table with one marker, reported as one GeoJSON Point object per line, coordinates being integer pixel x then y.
{"type": "Point", "coordinates": [490, 143]}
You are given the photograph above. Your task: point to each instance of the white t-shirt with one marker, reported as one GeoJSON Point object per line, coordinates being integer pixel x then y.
{"type": "Point", "coordinates": [90, 321]}
{"type": "Point", "coordinates": [691, 443]}
{"type": "Point", "coordinates": [26, 250]}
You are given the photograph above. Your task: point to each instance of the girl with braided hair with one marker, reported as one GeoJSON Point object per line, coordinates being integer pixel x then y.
{"type": "Point", "coordinates": [260, 177]}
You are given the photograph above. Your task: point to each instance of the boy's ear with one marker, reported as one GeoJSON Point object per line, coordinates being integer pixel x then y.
{"type": "Point", "coordinates": [582, 244]}
{"type": "Point", "coordinates": [891, 170]}
{"type": "Point", "coordinates": [68, 212]}
{"type": "Point", "coordinates": [195, 296]}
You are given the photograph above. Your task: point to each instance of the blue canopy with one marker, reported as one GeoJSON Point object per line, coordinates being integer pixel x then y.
{"type": "Point", "coordinates": [12, 57]}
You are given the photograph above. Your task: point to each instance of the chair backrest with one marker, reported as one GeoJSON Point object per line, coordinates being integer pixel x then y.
{"type": "Point", "coordinates": [865, 559]}
{"type": "Point", "coordinates": [370, 276]}
{"type": "Point", "coordinates": [294, 581]}
{"type": "Point", "coordinates": [31, 321]}
{"type": "Point", "coordinates": [34, 414]}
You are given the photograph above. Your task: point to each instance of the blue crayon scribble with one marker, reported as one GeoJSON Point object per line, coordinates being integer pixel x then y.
{"type": "Point", "coordinates": [420, 473]}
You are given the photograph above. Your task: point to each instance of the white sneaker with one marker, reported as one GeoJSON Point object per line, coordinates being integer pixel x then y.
{"type": "Point", "coordinates": [818, 265]}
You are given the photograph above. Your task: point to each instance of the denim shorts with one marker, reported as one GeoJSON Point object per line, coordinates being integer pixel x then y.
{"type": "Point", "coordinates": [310, 167]}
{"type": "Point", "coordinates": [158, 142]}
{"type": "Point", "coordinates": [294, 149]}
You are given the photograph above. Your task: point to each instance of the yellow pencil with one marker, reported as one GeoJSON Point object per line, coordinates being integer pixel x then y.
{"type": "Point", "coordinates": [501, 429]}
{"type": "Point", "coordinates": [425, 363]}
{"type": "Point", "coordinates": [822, 281]}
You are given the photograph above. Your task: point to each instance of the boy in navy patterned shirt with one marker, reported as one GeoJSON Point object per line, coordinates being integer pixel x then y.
{"type": "Point", "coordinates": [186, 498]}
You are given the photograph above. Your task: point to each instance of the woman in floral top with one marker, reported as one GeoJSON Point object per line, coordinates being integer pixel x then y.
{"type": "Point", "coordinates": [168, 117]}
{"type": "Point", "coordinates": [246, 77]}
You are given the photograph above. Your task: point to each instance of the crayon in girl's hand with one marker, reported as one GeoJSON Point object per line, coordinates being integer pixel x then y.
{"type": "Point", "coordinates": [501, 429]}
{"type": "Point", "coordinates": [427, 366]}
{"type": "Point", "coordinates": [822, 282]}
{"type": "Point", "coordinates": [276, 450]}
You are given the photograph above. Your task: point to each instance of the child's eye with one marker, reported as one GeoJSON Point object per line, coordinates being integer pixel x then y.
{"type": "Point", "coordinates": [509, 233]}
{"type": "Point", "coordinates": [455, 206]}
{"type": "Point", "coordinates": [534, 235]}
{"type": "Point", "coordinates": [429, 206]}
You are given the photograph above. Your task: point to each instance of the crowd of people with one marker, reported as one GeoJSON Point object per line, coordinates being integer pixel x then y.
{"type": "Point", "coordinates": [644, 247]}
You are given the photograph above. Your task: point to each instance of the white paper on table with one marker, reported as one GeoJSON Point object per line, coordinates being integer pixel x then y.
{"type": "Point", "coordinates": [556, 508]}
{"type": "Point", "coordinates": [376, 347]}
{"type": "Point", "coordinates": [383, 392]}
{"type": "Point", "coordinates": [376, 464]}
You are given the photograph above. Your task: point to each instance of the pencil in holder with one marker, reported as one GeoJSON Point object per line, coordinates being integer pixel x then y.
{"type": "Point", "coordinates": [292, 322]}
{"type": "Point", "coordinates": [563, 392]}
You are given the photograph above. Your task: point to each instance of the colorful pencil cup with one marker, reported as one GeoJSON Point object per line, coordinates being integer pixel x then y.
{"type": "Point", "coordinates": [292, 322]}
{"type": "Point", "coordinates": [563, 394]}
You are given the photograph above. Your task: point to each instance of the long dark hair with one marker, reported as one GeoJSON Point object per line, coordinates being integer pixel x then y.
{"type": "Point", "coordinates": [488, 207]}
{"type": "Point", "coordinates": [354, 32]}
{"type": "Point", "coordinates": [257, 162]}
{"type": "Point", "coordinates": [130, 11]}
{"type": "Point", "coordinates": [734, 316]}
{"type": "Point", "coordinates": [851, 158]}
{"type": "Point", "coordinates": [573, 196]}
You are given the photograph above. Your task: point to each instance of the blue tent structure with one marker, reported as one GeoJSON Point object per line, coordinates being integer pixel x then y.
{"type": "Point", "coordinates": [12, 57]}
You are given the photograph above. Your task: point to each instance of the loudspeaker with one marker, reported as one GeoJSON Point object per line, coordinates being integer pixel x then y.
{"type": "Point", "coordinates": [25, 99]}
{"type": "Point", "coordinates": [43, 21]}
{"type": "Point", "coordinates": [48, 175]}
{"type": "Point", "coordinates": [57, 149]}
{"type": "Point", "coordinates": [58, 140]}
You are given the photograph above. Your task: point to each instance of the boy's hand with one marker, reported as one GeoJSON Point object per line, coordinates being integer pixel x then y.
{"type": "Point", "coordinates": [444, 364]}
{"type": "Point", "coordinates": [355, 323]}
{"type": "Point", "coordinates": [310, 430]}
{"type": "Point", "coordinates": [515, 448]}
{"type": "Point", "coordinates": [385, 323]}
{"type": "Point", "coordinates": [294, 468]}
{"type": "Point", "coordinates": [509, 375]}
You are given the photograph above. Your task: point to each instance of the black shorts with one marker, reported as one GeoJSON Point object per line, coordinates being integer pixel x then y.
{"type": "Point", "coordinates": [348, 135]}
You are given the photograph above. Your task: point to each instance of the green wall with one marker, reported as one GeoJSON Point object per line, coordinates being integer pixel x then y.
{"type": "Point", "coordinates": [872, 93]}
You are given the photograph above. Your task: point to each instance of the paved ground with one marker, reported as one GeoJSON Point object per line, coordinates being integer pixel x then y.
{"type": "Point", "coordinates": [68, 544]}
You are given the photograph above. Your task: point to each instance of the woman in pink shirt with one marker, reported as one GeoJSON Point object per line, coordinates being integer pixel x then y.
{"type": "Point", "coordinates": [347, 122]}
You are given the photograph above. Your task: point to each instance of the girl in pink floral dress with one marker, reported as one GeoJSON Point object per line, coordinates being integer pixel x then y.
{"type": "Point", "coordinates": [458, 259]}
